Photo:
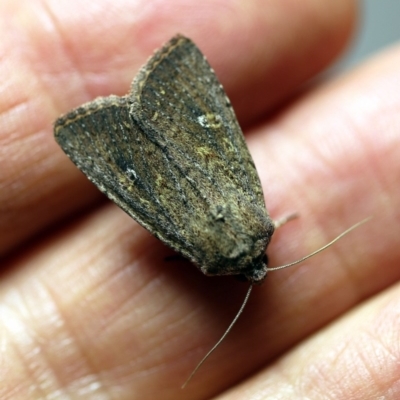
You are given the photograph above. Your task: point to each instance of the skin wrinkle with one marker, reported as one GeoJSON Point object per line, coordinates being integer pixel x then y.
{"type": "Point", "coordinates": [381, 182]}
{"type": "Point", "coordinates": [74, 333]}
{"type": "Point", "coordinates": [394, 351]}
{"type": "Point", "coordinates": [363, 148]}
{"type": "Point", "coordinates": [199, 350]}
{"type": "Point", "coordinates": [338, 357]}
{"type": "Point", "coordinates": [36, 132]}
{"type": "Point", "coordinates": [304, 195]}
{"type": "Point", "coordinates": [105, 285]}
{"type": "Point", "coordinates": [361, 354]}
{"type": "Point", "coordinates": [11, 117]}
{"type": "Point", "coordinates": [100, 279]}
{"type": "Point", "coordinates": [28, 372]}
{"type": "Point", "coordinates": [136, 294]}
{"type": "Point", "coordinates": [7, 120]}
{"type": "Point", "coordinates": [363, 374]}
{"type": "Point", "coordinates": [371, 375]}
{"type": "Point", "coordinates": [150, 317]}
{"type": "Point", "coordinates": [338, 258]}
{"type": "Point", "coordinates": [49, 287]}
{"type": "Point", "coordinates": [64, 47]}
{"type": "Point", "coordinates": [327, 166]}
{"type": "Point", "coordinates": [141, 290]}
{"type": "Point", "coordinates": [89, 79]}
{"type": "Point", "coordinates": [25, 58]}
{"type": "Point", "coordinates": [32, 344]}
{"type": "Point", "coordinates": [56, 379]}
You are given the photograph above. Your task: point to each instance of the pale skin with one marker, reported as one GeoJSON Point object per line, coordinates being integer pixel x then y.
{"type": "Point", "coordinates": [89, 306]}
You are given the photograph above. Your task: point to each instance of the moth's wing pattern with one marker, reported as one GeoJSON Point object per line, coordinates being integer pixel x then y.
{"type": "Point", "coordinates": [180, 104]}
{"type": "Point", "coordinates": [178, 98]}
{"type": "Point", "coordinates": [172, 155]}
{"type": "Point", "coordinates": [106, 144]}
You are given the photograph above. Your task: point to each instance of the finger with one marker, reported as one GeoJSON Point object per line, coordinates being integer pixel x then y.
{"type": "Point", "coordinates": [76, 311]}
{"type": "Point", "coordinates": [59, 57]}
{"type": "Point", "coordinates": [356, 358]}
{"type": "Point", "coordinates": [333, 158]}
{"type": "Point", "coordinates": [157, 319]}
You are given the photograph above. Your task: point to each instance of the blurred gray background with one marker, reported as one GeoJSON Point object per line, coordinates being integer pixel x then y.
{"type": "Point", "coordinates": [378, 27]}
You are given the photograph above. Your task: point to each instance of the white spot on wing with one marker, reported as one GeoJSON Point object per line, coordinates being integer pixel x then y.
{"type": "Point", "coordinates": [210, 120]}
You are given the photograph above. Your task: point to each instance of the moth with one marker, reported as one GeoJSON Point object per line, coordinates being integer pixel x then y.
{"type": "Point", "coordinates": [172, 155]}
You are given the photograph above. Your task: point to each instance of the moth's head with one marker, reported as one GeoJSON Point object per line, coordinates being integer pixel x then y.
{"type": "Point", "coordinates": [257, 271]}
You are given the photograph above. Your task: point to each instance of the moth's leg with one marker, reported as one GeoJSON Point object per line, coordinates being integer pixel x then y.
{"type": "Point", "coordinates": [282, 221]}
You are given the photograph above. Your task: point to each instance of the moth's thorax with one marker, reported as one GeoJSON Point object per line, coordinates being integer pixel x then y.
{"type": "Point", "coordinates": [236, 237]}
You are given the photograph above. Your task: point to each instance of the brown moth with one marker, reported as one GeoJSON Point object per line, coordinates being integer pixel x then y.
{"type": "Point", "coordinates": [171, 154]}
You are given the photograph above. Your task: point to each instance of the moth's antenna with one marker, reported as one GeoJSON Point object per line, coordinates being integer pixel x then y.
{"type": "Point", "coordinates": [277, 224]}
{"type": "Point", "coordinates": [323, 247]}
{"type": "Point", "coordinates": [222, 338]}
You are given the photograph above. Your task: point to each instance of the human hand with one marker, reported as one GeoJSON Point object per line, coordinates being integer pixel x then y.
{"type": "Point", "coordinates": [90, 308]}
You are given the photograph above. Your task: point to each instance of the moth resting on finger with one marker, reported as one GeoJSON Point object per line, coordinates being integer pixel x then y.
{"type": "Point", "coordinates": [171, 154]}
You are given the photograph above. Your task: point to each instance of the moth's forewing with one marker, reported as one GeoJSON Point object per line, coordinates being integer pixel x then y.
{"type": "Point", "coordinates": [106, 144]}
